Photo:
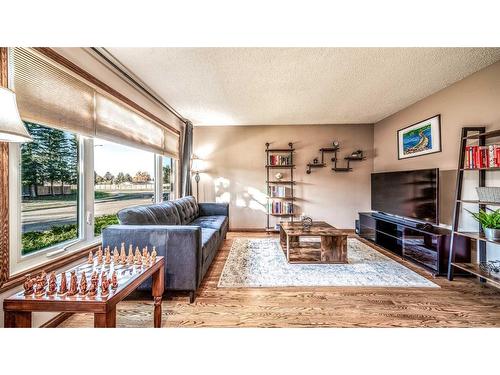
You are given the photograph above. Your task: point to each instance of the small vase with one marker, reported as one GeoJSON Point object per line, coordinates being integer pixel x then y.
{"type": "Point", "coordinates": [492, 234]}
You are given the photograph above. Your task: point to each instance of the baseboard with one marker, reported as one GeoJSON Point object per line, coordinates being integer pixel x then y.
{"type": "Point", "coordinates": [349, 231]}
{"type": "Point", "coordinates": [247, 230]}
{"type": "Point", "coordinates": [56, 320]}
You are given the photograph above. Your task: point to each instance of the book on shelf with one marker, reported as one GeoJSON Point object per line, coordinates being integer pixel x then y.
{"type": "Point", "coordinates": [280, 159]}
{"type": "Point", "coordinates": [482, 156]}
{"type": "Point", "coordinates": [279, 207]}
{"type": "Point", "coordinates": [279, 191]}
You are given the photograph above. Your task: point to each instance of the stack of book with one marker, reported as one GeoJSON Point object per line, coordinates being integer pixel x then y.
{"type": "Point", "coordinates": [279, 207]}
{"type": "Point", "coordinates": [279, 191]}
{"type": "Point", "coordinates": [280, 160]}
{"type": "Point", "coordinates": [482, 156]}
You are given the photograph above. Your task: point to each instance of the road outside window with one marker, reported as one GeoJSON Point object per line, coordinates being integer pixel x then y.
{"type": "Point", "coordinates": [49, 188]}
{"type": "Point", "coordinates": [123, 177]}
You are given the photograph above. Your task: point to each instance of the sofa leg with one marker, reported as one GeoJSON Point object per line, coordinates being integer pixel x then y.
{"type": "Point", "coordinates": [192, 296]}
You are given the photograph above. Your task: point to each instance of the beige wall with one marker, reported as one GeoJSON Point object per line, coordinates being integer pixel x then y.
{"type": "Point", "coordinates": [234, 161]}
{"type": "Point", "coordinates": [475, 100]}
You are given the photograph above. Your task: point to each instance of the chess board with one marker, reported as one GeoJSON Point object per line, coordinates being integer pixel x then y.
{"type": "Point", "coordinates": [18, 308]}
{"type": "Point", "coordinates": [125, 275]}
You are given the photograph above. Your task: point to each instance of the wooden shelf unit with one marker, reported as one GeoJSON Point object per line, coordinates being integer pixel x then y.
{"type": "Point", "coordinates": [291, 182]}
{"type": "Point", "coordinates": [280, 166]}
{"type": "Point", "coordinates": [479, 134]}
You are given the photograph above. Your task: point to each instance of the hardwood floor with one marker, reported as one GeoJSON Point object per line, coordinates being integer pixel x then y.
{"type": "Point", "coordinates": [461, 303]}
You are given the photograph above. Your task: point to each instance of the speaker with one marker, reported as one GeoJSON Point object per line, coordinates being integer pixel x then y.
{"type": "Point", "coordinates": [357, 228]}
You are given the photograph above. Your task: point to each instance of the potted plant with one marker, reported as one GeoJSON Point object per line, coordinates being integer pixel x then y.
{"type": "Point", "coordinates": [490, 221]}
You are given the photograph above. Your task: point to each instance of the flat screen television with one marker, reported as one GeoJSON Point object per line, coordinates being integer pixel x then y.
{"type": "Point", "coordinates": [410, 194]}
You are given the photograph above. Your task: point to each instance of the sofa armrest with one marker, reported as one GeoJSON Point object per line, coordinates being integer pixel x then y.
{"type": "Point", "coordinates": [209, 209]}
{"type": "Point", "coordinates": [179, 244]}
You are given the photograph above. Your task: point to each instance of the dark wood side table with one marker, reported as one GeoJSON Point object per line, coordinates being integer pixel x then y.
{"type": "Point", "coordinates": [18, 308]}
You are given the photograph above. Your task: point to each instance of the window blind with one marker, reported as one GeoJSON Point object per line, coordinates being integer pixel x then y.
{"type": "Point", "coordinates": [117, 123]}
{"type": "Point", "coordinates": [172, 144]}
{"type": "Point", "coordinates": [49, 95]}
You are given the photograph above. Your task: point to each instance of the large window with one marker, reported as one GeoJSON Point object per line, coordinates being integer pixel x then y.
{"type": "Point", "coordinates": [168, 181]}
{"type": "Point", "coordinates": [49, 189]}
{"type": "Point", "coordinates": [68, 183]}
{"type": "Point", "coordinates": [124, 177]}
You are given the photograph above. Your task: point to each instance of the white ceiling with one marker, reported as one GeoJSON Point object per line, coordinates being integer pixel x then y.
{"type": "Point", "coordinates": [268, 86]}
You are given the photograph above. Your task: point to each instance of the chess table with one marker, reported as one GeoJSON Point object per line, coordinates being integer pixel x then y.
{"type": "Point", "coordinates": [19, 307]}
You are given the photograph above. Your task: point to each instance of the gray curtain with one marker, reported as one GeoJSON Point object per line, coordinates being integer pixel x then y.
{"type": "Point", "coordinates": [187, 153]}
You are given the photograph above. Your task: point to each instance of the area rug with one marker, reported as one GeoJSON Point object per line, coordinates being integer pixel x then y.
{"type": "Point", "coordinates": [260, 262]}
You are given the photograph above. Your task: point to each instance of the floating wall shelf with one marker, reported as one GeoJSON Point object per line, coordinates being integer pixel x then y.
{"type": "Point", "coordinates": [355, 156]}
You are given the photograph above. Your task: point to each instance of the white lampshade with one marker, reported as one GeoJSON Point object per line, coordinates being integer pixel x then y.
{"type": "Point", "coordinates": [196, 165]}
{"type": "Point", "coordinates": [12, 128]}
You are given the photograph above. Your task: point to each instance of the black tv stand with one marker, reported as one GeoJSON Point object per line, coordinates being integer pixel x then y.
{"type": "Point", "coordinates": [423, 243]}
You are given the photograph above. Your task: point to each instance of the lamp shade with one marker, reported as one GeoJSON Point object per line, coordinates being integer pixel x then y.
{"type": "Point", "coordinates": [196, 165]}
{"type": "Point", "coordinates": [12, 128]}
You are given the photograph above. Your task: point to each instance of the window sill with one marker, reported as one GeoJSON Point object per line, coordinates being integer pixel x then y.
{"type": "Point", "coordinates": [18, 278]}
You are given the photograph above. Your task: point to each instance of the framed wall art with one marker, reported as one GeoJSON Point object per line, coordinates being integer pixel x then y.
{"type": "Point", "coordinates": [419, 139]}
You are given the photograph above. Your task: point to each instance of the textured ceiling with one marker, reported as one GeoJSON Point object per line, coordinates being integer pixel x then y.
{"type": "Point", "coordinates": [267, 86]}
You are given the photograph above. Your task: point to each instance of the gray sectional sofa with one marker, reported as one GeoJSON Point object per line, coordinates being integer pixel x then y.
{"type": "Point", "coordinates": [187, 233]}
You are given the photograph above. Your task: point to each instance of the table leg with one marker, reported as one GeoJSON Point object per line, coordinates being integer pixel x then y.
{"type": "Point", "coordinates": [288, 248]}
{"type": "Point", "coordinates": [158, 288]}
{"type": "Point", "coordinates": [17, 319]}
{"type": "Point", "coordinates": [105, 320]}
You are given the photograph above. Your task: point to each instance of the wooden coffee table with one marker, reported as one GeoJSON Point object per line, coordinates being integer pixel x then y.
{"type": "Point", "coordinates": [18, 308]}
{"type": "Point", "coordinates": [332, 247]}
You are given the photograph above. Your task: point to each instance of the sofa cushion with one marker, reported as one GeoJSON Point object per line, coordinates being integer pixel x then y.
{"type": "Point", "coordinates": [209, 242]}
{"type": "Point", "coordinates": [214, 222]}
{"type": "Point", "coordinates": [164, 213]}
{"type": "Point", "coordinates": [187, 208]}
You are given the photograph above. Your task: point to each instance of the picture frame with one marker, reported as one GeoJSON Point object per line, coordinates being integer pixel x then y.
{"type": "Point", "coordinates": [420, 138]}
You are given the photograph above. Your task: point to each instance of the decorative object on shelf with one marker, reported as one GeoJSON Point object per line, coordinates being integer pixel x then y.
{"type": "Point", "coordinates": [280, 192]}
{"type": "Point", "coordinates": [490, 222]}
{"type": "Point", "coordinates": [421, 138]}
{"type": "Point", "coordinates": [196, 168]}
{"type": "Point", "coordinates": [354, 156]}
{"type": "Point", "coordinates": [491, 266]}
{"type": "Point", "coordinates": [12, 128]}
{"type": "Point", "coordinates": [488, 194]}
{"type": "Point", "coordinates": [307, 222]}
{"type": "Point", "coordinates": [358, 154]}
